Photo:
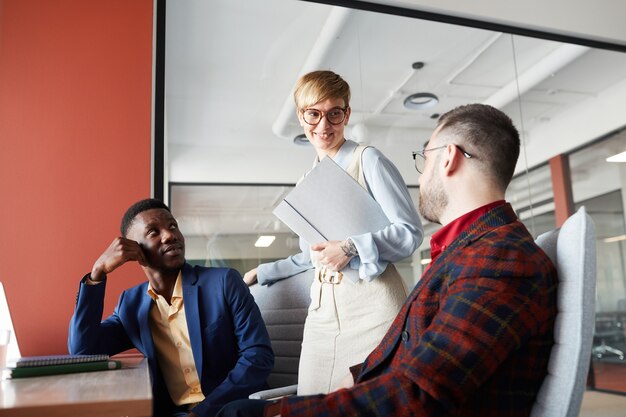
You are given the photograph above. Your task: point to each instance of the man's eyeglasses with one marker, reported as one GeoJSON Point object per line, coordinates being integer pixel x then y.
{"type": "Point", "coordinates": [334, 116]}
{"type": "Point", "coordinates": [421, 161]}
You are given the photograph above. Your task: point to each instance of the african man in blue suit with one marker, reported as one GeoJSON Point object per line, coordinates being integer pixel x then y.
{"type": "Point", "coordinates": [199, 328]}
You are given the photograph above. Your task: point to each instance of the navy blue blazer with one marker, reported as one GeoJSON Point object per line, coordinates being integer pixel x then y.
{"type": "Point", "coordinates": [230, 344]}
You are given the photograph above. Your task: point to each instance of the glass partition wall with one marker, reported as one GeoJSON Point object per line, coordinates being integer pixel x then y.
{"type": "Point", "coordinates": [600, 185]}
{"type": "Point", "coordinates": [233, 146]}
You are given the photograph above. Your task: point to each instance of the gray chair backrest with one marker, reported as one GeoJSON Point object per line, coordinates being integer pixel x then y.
{"type": "Point", "coordinates": [284, 306]}
{"type": "Point", "coordinates": [572, 249]}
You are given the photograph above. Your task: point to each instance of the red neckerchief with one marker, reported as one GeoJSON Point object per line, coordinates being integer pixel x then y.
{"type": "Point", "coordinates": [446, 235]}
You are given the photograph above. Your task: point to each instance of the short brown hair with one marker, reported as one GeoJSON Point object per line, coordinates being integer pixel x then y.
{"type": "Point", "coordinates": [319, 86]}
{"type": "Point", "coordinates": [488, 134]}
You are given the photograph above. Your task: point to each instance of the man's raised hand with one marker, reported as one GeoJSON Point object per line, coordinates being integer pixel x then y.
{"type": "Point", "coordinates": [120, 251]}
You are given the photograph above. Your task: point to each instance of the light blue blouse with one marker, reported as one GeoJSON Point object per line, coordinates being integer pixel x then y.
{"type": "Point", "coordinates": [376, 250]}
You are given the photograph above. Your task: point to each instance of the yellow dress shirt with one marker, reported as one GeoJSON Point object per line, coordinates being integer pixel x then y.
{"type": "Point", "coordinates": [168, 324]}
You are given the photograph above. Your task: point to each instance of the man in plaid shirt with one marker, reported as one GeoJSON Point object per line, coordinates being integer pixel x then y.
{"type": "Point", "coordinates": [474, 336]}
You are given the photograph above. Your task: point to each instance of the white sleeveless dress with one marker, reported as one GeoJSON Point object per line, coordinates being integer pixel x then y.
{"type": "Point", "coordinates": [346, 320]}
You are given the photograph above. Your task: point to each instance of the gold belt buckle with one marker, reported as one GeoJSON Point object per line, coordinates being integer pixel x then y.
{"type": "Point", "coordinates": [330, 278]}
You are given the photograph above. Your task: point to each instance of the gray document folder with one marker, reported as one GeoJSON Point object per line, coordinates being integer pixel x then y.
{"type": "Point", "coordinates": [328, 204]}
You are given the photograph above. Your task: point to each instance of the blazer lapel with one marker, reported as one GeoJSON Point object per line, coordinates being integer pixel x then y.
{"type": "Point", "coordinates": [190, 300]}
{"type": "Point", "coordinates": [144, 325]}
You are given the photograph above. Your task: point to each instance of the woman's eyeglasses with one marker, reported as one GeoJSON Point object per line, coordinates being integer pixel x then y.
{"type": "Point", "coordinates": [334, 116]}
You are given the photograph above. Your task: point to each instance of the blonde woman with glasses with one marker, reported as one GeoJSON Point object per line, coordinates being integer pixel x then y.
{"type": "Point", "coordinates": [357, 291]}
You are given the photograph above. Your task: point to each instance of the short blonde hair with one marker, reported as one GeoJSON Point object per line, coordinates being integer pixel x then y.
{"type": "Point", "coordinates": [319, 86]}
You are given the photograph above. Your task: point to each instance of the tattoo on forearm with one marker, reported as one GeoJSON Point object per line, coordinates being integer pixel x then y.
{"type": "Point", "coordinates": [349, 249]}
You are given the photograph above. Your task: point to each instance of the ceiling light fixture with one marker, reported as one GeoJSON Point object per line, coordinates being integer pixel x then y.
{"type": "Point", "coordinates": [419, 101]}
{"type": "Point", "coordinates": [301, 139]}
{"type": "Point", "coordinates": [614, 239]}
{"type": "Point", "coordinates": [620, 157]}
{"type": "Point", "coordinates": [264, 241]}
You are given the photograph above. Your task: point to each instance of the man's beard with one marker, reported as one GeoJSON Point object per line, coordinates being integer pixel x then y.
{"type": "Point", "coordinates": [432, 200]}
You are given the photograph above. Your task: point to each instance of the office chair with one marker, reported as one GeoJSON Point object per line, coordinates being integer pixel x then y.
{"type": "Point", "coordinates": [572, 249]}
{"type": "Point", "coordinates": [284, 306]}
{"type": "Point", "coordinates": [609, 329]}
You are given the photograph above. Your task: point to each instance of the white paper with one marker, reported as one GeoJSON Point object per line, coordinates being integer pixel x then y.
{"type": "Point", "coordinates": [328, 204]}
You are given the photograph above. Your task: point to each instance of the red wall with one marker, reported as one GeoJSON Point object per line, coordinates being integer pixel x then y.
{"type": "Point", "coordinates": [75, 138]}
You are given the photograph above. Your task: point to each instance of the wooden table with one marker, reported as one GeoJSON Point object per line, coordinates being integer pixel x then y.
{"type": "Point", "coordinates": [123, 392]}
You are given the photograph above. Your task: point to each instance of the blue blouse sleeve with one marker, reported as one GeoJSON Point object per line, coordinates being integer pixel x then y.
{"type": "Point", "coordinates": [405, 233]}
{"type": "Point", "coordinates": [285, 268]}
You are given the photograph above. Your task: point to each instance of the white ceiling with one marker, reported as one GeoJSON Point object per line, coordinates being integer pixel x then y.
{"type": "Point", "coordinates": [231, 65]}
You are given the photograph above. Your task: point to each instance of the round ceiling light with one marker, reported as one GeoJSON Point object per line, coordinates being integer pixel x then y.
{"type": "Point", "coordinates": [420, 101]}
{"type": "Point", "coordinates": [301, 139]}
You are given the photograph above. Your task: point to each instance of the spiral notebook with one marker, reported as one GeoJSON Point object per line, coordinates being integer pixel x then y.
{"type": "Point", "coordinates": [44, 365]}
{"type": "Point", "coordinates": [32, 361]}
{"type": "Point", "coordinates": [68, 368]}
